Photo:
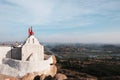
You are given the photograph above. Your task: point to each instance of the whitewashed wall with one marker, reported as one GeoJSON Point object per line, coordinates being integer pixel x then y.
{"type": "Point", "coordinates": [5, 51]}
{"type": "Point", "coordinates": [32, 47]}
{"type": "Point", "coordinates": [24, 67]}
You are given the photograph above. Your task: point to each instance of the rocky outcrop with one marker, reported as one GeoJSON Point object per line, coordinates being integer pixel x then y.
{"type": "Point", "coordinates": [60, 76]}
{"type": "Point", "coordinates": [29, 76]}
{"type": "Point", "coordinates": [33, 76]}
{"type": "Point", "coordinates": [52, 71]}
{"type": "Point", "coordinates": [54, 59]}
{"type": "Point", "coordinates": [5, 77]}
{"type": "Point", "coordinates": [37, 76]}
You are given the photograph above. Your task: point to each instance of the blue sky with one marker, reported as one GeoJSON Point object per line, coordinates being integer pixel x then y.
{"type": "Point", "coordinates": [75, 21]}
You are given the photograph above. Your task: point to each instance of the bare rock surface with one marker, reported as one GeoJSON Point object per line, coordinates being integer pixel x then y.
{"type": "Point", "coordinates": [60, 76]}
{"type": "Point", "coordinates": [37, 76]}
{"type": "Point", "coordinates": [5, 77]}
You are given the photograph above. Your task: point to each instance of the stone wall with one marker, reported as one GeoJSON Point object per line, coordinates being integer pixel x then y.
{"type": "Point", "coordinates": [7, 70]}
{"type": "Point", "coordinates": [25, 67]}
{"type": "Point", "coordinates": [5, 51]}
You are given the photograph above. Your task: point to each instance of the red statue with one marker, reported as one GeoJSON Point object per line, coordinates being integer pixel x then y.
{"type": "Point", "coordinates": [30, 32]}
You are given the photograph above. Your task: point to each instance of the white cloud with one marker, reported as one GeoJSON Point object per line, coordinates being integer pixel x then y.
{"type": "Point", "coordinates": [28, 11]}
{"type": "Point", "coordinates": [43, 12]}
{"type": "Point", "coordinates": [40, 12]}
{"type": "Point", "coordinates": [60, 14]}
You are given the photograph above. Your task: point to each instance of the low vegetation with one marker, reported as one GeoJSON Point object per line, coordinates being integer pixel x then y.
{"type": "Point", "coordinates": [101, 61]}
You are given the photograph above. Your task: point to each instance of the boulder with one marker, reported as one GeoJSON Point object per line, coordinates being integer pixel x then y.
{"type": "Point", "coordinates": [6, 77]}
{"type": "Point", "coordinates": [54, 59]}
{"type": "Point", "coordinates": [60, 76]}
{"type": "Point", "coordinates": [51, 71]}
{"type": "Point", "coordinates": [29, 76]}
{"type": "Point", "coordinates": [36, 76]}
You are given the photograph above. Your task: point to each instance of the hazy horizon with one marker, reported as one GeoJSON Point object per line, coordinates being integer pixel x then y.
{"type": "Point", "coordinates": [61, 21]}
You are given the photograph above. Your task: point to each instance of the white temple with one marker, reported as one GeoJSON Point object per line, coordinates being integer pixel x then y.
{"type": "Point", "coordinates": [27, 58]}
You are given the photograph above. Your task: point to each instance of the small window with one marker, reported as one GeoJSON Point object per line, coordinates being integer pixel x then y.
{"type": "Point", "coordinates": [28, 40]}
{"type": "Point", "coordinates": [33, 40]}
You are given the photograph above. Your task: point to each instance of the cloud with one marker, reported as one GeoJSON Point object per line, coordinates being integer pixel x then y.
{"type": "Point", "coordinates": [40, 12]}
{"type": "Point", "coordinates": [30, 11]}
{"type": "Point", "coordinates": [56, 16]}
